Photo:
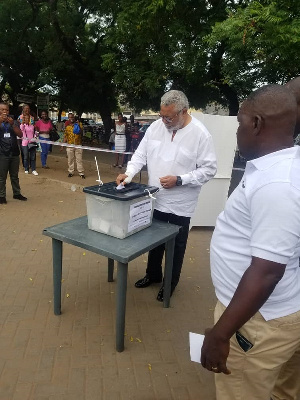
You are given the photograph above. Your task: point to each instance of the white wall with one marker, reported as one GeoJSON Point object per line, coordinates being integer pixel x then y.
{"type": "Point", "coordinates": [213, 194]}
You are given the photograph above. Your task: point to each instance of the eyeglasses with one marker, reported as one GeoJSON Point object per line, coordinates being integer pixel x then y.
{"type": "Point", "coordinates": [168, 119]}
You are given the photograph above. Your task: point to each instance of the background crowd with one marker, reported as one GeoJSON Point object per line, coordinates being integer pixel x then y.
{"type": "Point", "coordinates": [125, 137]}
{"type": "Point", "coordinates": [27, 134]}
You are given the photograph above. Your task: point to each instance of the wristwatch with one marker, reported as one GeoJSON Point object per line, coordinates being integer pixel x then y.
{"type": "Point", "coordinates": [178, 181]}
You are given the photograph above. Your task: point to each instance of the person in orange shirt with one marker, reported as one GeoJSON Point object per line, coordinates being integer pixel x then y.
{"type": "Point", "coordinates": [73, 135]}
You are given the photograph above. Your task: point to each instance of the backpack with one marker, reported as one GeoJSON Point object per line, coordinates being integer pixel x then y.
{"type": "Point", "coordinates": [76, 129]}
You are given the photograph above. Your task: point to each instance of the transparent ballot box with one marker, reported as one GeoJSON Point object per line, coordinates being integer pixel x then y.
{"type": "Point", "coordinates": [119, 213]}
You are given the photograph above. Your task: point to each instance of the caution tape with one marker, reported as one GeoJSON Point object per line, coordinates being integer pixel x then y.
{"type": "Point", "coordinates": [75, 146]}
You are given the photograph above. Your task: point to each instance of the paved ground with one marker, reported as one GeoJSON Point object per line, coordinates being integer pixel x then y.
{"type": "Point", "coordinates": [72, 356]}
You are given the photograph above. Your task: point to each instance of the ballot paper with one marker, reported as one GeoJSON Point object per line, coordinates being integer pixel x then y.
{"type": "Point", "coordinates": [196, 342]}
{"type": "Point", "coordinates": [120, 186]}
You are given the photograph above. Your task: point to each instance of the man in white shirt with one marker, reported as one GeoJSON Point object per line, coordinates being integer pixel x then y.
{"type": "Point", "coordinates": [254, 346]}
{"type": "Point", "coordinates": [179, 153]}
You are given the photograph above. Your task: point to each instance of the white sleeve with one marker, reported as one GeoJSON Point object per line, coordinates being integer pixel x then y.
{"type": "Point", "coordinates": [206, 165]}
{"type": "Point", "coordinates": [275, 220]}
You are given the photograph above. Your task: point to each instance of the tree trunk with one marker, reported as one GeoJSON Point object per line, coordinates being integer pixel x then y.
{"type": "Point", "coordinates": [231, 97]}
{"type": "Point", "coordinates": [217, 78]}
{"type": "Point", "coordinates": [105, 112]}
{"type": "Point", "coordinates": [2, 86]}
{"type": "Point", "coordinates": [14, 109]}
{"type": "Point", "coordinates": [107, 122]}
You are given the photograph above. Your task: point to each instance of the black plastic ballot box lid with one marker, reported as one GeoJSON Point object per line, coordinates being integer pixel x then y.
{"type": "Point", "coordinates": [131, 191]}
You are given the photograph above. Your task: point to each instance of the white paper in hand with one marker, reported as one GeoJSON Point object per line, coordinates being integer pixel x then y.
{"type": "Point", "coordinates": [196, 342]}
{"type": "Point", "coordinates": [120, 187]}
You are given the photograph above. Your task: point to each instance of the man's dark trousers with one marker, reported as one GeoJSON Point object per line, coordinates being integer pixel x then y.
{"type": "Point", "coordinates": [154, 266]}
{"type": "Point", "coordinates": [9, 164]}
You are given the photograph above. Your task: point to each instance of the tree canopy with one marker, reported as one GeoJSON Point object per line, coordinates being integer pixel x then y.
{"type": "Point", "coordinates": [261, 41]}
{"type": "Point", "coordinates": [93, 54]}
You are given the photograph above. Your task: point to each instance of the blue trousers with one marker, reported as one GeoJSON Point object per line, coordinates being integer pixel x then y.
{"type": "Point", "coordinates": [45, 150]}
{"type": "Point", "coordinates": [29, 158]}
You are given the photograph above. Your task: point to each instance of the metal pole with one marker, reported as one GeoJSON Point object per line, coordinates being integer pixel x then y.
{"type": "Point", "coordinates": [121, 305]}
{"type": "Point", "coordinates": [57, 274]}
{"type": "Point", "coordinates": [110, 277]}
{"type": "Point", "coordinates": [169, 254]}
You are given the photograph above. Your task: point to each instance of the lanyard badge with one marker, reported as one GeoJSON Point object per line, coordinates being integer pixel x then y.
{"type": "Point", "coordinates": [6, 132]}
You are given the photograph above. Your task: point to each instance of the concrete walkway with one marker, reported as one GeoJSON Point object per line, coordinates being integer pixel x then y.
{"type": "Point", "coordinates": [72, 356]}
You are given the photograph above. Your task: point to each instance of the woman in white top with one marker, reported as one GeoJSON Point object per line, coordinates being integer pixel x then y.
{"type": "Point", "coordinates": [120, 141]}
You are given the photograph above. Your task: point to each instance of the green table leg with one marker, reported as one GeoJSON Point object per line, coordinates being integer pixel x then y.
{"type": "Point", "coordinates": [169, 253]}
{"type": "Point", "coordinates": [121, 305]}
{"type": "Point", "coordinates": [57, 274]}
{"type": "Point", "coordinates": [110, 277]}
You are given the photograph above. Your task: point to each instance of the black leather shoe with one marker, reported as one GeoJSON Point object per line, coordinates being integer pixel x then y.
{"type": "Point", "coordinates": [145, 282]}
{"type": "Point", "coordinates": [19, 197]}
{"type": "Point", "coordinates": [3, 200]}
{"type": "Point", "coordinates": [70, 175]}
{"type": "Point", "coordinates": [160, 294]}
{"type": "Point", "coordinates": [82, 176]}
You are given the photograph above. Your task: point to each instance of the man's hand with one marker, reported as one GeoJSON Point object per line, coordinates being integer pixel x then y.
{"type": "Point", "coordinates": [214, 353]}
{"type": "Point", "coordinates": [10, 121]}
{"type": "Point", "coordinates": [168, 181]}
{"type": "Point", "coordinates": [121, 178]}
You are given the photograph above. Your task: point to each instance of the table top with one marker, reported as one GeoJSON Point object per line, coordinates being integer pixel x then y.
{"type": "Point", "coordinates": [77, 233]}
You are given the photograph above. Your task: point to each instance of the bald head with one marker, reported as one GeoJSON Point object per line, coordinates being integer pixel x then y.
{"type": "Point", "coordinates": [294, 87]}
{"type": "Point", "coordinates": [267, 120]}
{"type": "Point", "coordinates": [273, 102]}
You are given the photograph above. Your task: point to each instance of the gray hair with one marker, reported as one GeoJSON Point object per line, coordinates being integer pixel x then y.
{"type": "Point", "coordinates": [175, 97]}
